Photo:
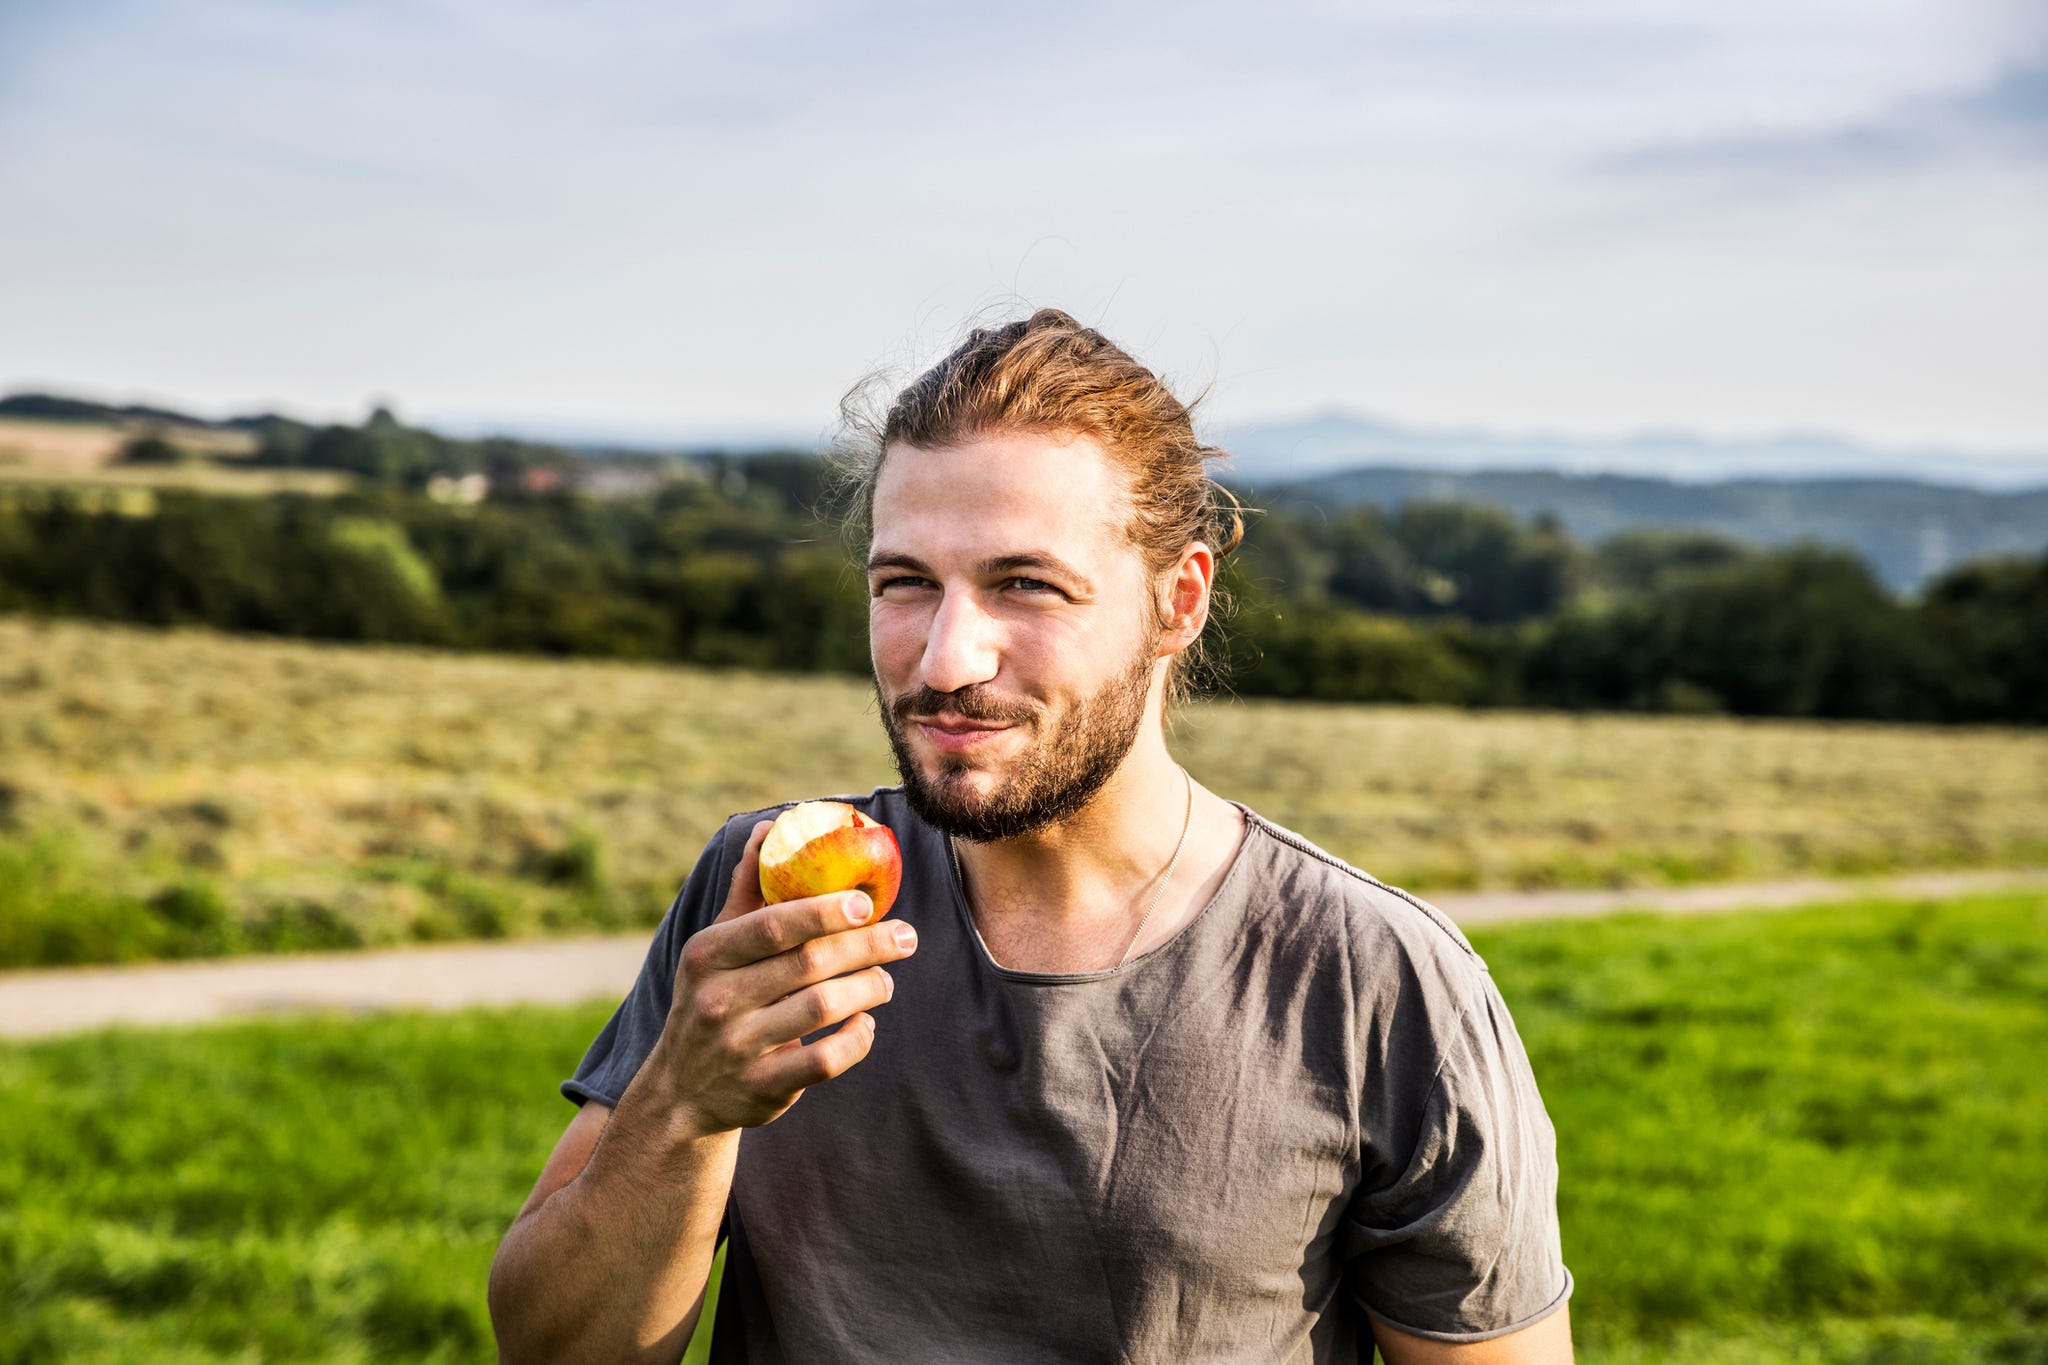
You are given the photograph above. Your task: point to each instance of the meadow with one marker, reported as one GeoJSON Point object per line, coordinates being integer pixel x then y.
{"type": "Point", "coordinates": [61, 446]}
{"type": "Point", "coordinates": [83, 458]}
{"type": "Point", "coordinates": [188, 793]}
{"type": "Point", "coordinates": [1815, 1136]}
{"type": "Point", "coordinates": [132, 489]}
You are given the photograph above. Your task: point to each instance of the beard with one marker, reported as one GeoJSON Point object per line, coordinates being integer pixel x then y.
{"type": "Point", "coordinates": [1051, 781]}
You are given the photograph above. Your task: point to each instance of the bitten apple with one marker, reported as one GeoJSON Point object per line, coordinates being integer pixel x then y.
{"type": "Point", "coordinates": [818, 847]}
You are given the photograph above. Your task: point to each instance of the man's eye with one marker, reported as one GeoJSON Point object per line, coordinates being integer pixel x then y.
{"type": "Point", "coordinates": [1033, 585]}
{"type": "Point", "coordinates": [900, 581]}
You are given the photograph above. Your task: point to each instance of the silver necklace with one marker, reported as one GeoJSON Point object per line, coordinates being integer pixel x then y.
{"type": "Point", "coordinates": [1187, 823]}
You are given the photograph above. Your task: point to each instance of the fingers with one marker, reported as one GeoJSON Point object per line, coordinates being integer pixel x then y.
{"type": "Point", "coordinates": [743, 895]}
{"type": "Point", "coordinates": [813, 1008]}
{"type": "Point", "coordinates": [792, 1069]}
{"type": "Point", "coordinates": [784, 927]}
{"type": "Point", "coordinates": [833, 955]}
{"type": "Point", "coordinates": [728, 993]}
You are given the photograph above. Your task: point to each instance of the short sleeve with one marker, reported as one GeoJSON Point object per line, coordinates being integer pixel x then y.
{"type": "Point", "coordinates": [1458, 1240]}
{"type": "Point", "coordinates": [629, 1036]}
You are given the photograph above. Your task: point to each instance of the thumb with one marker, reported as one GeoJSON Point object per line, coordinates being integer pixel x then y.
{"type": "Point", "coordinates": [744, 895]}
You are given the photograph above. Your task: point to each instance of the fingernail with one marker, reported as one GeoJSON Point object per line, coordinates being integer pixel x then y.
{"type": "Point", "coordinates": [859, 907]}
{"type": "Point", "coordinates": [906, 937]}
{"type": "Point", "coordinates": [888, 986]}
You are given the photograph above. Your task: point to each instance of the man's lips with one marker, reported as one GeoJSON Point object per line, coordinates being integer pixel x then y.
{"type": "Point", "coordinates": [957, 734]}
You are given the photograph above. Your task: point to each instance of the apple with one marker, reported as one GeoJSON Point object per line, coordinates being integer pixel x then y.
{"type": "Point", "coordinates": [818, 847]}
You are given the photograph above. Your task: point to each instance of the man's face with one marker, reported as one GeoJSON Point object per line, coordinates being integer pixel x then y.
{"type": "Point", "coordinates": [1012, 627]}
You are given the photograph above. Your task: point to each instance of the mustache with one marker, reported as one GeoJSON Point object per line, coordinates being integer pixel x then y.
{"type": "Point", "coordinates": [971, 703]}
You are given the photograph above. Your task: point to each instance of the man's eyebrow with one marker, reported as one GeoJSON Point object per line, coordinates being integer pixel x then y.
{"type": "Point", "coordinates": [988, 568]}
{"type": "Point", "coordinates": [896, 561]}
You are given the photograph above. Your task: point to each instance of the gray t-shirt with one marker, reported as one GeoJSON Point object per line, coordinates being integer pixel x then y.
{"type": "Point", "coordinates": [1308, 1105]}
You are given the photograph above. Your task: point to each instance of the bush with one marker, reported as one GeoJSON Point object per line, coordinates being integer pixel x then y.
{"type": "Point", "coordinates": [150, 448]}
{"type": "Point", "coordinates": [1328, 655]}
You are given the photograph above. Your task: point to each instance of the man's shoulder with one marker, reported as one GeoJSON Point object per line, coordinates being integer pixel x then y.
{"type": "Point", "coordinates": [1405, 975]}
{"type": "Point", "coordinates": [1306, 880]}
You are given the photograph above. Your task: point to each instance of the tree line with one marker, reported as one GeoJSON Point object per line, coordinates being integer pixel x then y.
{"type": "Point", "coordinates": [1438, 602]}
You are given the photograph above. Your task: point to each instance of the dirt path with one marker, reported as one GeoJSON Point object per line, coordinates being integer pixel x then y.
{"type": "Point", "coordinates": [44, 1003]}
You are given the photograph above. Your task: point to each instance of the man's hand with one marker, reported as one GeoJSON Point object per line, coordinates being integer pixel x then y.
{"type": "Point", "coordinates": [608, 1260]}
{"type": "Point", "coordinates": [757, 980]}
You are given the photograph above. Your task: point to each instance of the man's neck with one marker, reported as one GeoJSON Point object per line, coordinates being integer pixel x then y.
{"type": "Point", "coordinates": [1070, 897]}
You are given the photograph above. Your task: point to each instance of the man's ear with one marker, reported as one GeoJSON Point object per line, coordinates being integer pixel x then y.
{"type": "Point", "coordinates": [1185, 603]}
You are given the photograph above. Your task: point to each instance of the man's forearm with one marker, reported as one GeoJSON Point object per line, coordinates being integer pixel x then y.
{"type": "Point", "coordinates": [612, 1266]}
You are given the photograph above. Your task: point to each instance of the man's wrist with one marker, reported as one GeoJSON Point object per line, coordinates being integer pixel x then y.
{"type": "Point", "coordinates": [684, 1127]}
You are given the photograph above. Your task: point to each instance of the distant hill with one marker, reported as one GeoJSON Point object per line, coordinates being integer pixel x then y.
{"type": "Point", "coordinates": [1907, 530]}
{"type": "Point", "coordinates": [1327, 443]}
{"type": "Point", "coordinates": [52, 407]}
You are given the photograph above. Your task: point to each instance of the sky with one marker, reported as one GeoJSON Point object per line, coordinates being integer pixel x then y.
{"type": "Point", "coordinates": [1593, 216]}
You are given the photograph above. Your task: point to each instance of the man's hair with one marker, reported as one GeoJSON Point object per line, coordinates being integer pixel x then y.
{"type": "Point", "coordinates": [1049, 375]}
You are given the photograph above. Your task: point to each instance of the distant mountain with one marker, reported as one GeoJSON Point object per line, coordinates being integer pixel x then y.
{"type": "Point", "coordinates": [1908, 531]}
{"type": "Point", "coordinates": [54, 408]}
{"type": "Point", "coordinates": [1273, 452]}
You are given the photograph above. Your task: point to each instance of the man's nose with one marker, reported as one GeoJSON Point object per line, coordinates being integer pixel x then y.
{"type": "Point", "coordinates": [961, 649]}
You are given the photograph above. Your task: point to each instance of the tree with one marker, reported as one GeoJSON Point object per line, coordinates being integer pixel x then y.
{"type": "Point", "coordinates": [1801, 632]}
{"type": "Point", "coordinates": [1991, 620]}
{"type": "Point", "coordinates": [151, 448]}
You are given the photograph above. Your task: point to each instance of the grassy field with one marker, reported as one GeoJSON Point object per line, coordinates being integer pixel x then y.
{"type": "Point", "coordinates": [131, 488]}
{"type": "Point", "coordinates": [187, 793]}
{"type": "Point", "coordinates": [1814, 1136]}
{"type": "Point", "coordinates": [81, 457]}
{"type": "Point", "coordinates": [79, 446]}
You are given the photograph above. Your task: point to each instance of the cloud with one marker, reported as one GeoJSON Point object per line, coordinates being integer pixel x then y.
{"type": "Point", "coordinates": [2005, 119]}
{"type": "Point", "coordinates": [2019, 97]}
{"type": "Point", "coordinates": [629, 209]}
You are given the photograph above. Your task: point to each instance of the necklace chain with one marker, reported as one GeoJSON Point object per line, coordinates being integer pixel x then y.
{"type": "Point", "coordinates": [1187, 823]}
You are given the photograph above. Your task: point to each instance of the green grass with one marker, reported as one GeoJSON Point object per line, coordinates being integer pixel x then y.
{"type": "Point", "coordinates": [1816, 1136]}
{"type": "Point", "coordinates": [325, 1190]}
{"type": "Point", "coordinates": [1812, 1136]}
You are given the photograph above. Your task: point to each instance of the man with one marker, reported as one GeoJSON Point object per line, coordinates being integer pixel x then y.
{"type": "Point", "coordinates": [1130, 1073]}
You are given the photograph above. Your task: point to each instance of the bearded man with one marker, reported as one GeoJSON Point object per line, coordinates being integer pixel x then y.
{"type": "Point", "coordinates": [1131, 1073]}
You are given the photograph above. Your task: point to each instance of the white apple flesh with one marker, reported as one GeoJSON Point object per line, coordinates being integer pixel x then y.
{"type": "Point", "coordinates": [818, 847]}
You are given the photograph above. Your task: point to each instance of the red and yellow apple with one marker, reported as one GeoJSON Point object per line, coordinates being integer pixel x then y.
{"type": "Point", "coordinates": [818, 847]}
